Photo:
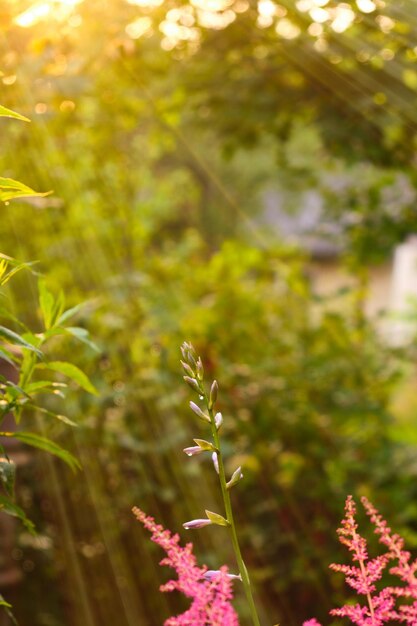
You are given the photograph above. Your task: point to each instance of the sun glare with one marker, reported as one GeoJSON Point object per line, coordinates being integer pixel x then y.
{"type": "Point", "coordinates": [58, 9]}
{"type": "Point", "coordinates": [146, 3]}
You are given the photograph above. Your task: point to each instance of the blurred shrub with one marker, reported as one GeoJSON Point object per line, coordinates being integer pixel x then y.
{"type": "Point", "coordinates": [307, 392]}
{"type": "Point", "coordinates": [142, 226]}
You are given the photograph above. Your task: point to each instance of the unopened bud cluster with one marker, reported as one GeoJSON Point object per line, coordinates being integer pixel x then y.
{"type": "Point", "coordinates": [194, 377]}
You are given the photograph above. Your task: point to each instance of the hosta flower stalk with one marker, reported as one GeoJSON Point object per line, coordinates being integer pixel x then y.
{"type": "Point", "coordinates": [194, 377]}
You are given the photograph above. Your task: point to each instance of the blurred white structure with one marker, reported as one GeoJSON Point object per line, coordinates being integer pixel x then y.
{"type": "Point", "coordinates": [391, 300]}
{"type": "Point", "coordinates": [402, 325]}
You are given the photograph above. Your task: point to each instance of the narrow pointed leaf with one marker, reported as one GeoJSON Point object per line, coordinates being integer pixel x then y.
{"type": "Point", "coordinates": [7, 607]}
{"type": "Point", "coordinates": [72, 372]}
{"type": "Point", "coordinates": [10, 189]}
{"type": "Point", "coordinates": [13, 337]}
{"type": "Point", "coordinates": [205, 445]}
{"type": "Point", "coordinates": [70, 313]}
{"type": "Point", "coordinates": [215, 518]}
{"type": "Point", "coordinates": [37, 441]}
{"type": "Point", "coordinates": [43, 385]}
{"type": "Point", "coordinates": [12, 272]}
{"type": "Point", "coordinates": [7, 475]}
{"type": "Point", "coordinates": [82, 335]}
{"type": "Point", "coordinates": [61, 418]}
{"type": "Point", "coordinates": [4, 603]}
{"type": "Point", "coordinates": [46, 302]}
{"type": "Point", "coordinates": [6, 356]}
{"type": "Point", "coordinates": [9, 507]}
{"type": "Point", "coordinates": [4, 112]}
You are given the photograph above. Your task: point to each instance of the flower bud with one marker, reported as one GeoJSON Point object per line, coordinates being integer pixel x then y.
{"type": "Point", "coordinates": [191, 360]}
{"type": "Point", "coordinates": [213, 393]}
{"type": "Point", "coordinates": [194, 407]}
{"type": "Point", "coordinates": [197, 523]}
{"type": "Point", "coordinates": [211, 574]}
{"type": "Point", "coordinates": [187, 369]}
{"type": "Point", "coordinates": [186, 347]}
{"type": "Point", "coordinates": [215, 460]}
{"type": "Point", "coordinates": [236, 477]}
{"type": "Point", "coordinates": [188, 354]}
{"type": "Point", "coordinates": [192, 383]}
{"type": "Point", "coordinates": [193, 450]}
{"type": "Point", "coordinates": [200, 369]}
{"type": "Point", "coordinates": [218, 420]}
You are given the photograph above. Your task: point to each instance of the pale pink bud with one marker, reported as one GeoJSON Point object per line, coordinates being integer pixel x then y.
{"type": "Point", "coordinates": [213, 573]}
{"type": "Point", "coordinates": [194, 407]}
{"type": "Point", "coordinates": [192, 382]}
{"type": "Point", "coordinates": [193, 450]}
{"type": "Point", "coordinates": [197, 523]}
{"type": "Point", "coordinates": [213, 393]}
{"type": "Point", "coordinates": [218, 420]}
{"type": "Point", "coordinates": [187, 369]}
{"type": "Point", "coordinates": [236, 477]}
{"type": "Point", "coordinates": [215, 460]}
{"type": "Point", "coordinates": [200, 369]}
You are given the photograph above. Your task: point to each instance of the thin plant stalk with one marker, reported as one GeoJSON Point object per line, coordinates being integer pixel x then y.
{"type": "Point", "coordinates": [194, 377]}
{"type": "Point", "coordinates": [229, 516]}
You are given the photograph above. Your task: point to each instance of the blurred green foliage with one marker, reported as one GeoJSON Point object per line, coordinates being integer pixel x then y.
{"type": "Point", "coordinates": [158, 160]}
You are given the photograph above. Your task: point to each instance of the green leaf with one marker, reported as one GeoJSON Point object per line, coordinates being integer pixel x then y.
{"type": "Point", "coordinates": [43, 385]}
{"type": "Point", "coordinates": [205, 445]}
{"type": "Point", "coordinates": [14, 338]}
{"type": "Point", "coordinates": [47, 303]}
{"type": "Point", "coordinates": [217, 519]}
{"type": "Point", "coordinates": [82, 335]}
{"type": "Point", "coordinates": [37, 441]}
{"type": "Point", "coordinates": [11, 508]}
{"type": "Point", "coordinates": [72, 372]}
{"type": "Point", "coordinates": [7, 475]}
{"type": "Point", "coordinates": [16, 265]}
{"type": "Point", "coordinates": [10, 189]}
{"type": "Point", "coordinates": [51, 307]}
{"type": "Point", "coordinates": [70, 312]}
{"type": "Point", "coordinates": [7, 608]}
{"type": "Point", "coordinates": [6, 314]}
{"type": "Point", "coordinates": [6, 277]}
{"type": "Point", "coordinates": [14, 391]}
{"type": "Point", "coordinates": [4, 603]}
{"type": "Point", "coordinates": [3, 269]}
{"type": "Point", "coordinates": [61, 418]}
{"type": "Point", "coordinates": [4, 112]}
{"type": "Point", "coordinates": [5, 355]}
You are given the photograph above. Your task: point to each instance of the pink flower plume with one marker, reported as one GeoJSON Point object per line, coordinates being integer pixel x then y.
{"type": "Point", "coordinates": [378, 603]}
{"type": "Point", "coordinates": [211, 599]}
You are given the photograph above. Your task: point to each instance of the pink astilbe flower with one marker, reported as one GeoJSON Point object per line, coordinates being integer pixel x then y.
{"type": "Point", "coordinates": [210, 597]}
{"type": "Point", "coordinates": [382, 604]}
{"type": "Point", "coordinates": [403, 568]}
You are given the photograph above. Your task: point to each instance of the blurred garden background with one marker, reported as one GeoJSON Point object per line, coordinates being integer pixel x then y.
{"type": "Point", "coordinates": [240, 174]}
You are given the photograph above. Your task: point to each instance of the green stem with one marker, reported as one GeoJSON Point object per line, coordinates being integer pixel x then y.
{"type": "Point", "coordinates": [229, 516]}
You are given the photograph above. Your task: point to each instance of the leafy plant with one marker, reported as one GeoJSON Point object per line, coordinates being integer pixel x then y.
{"type": "Point", "coordinates": [27, 353]}
{"type": "Point", "coordinates": [10, 188]}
